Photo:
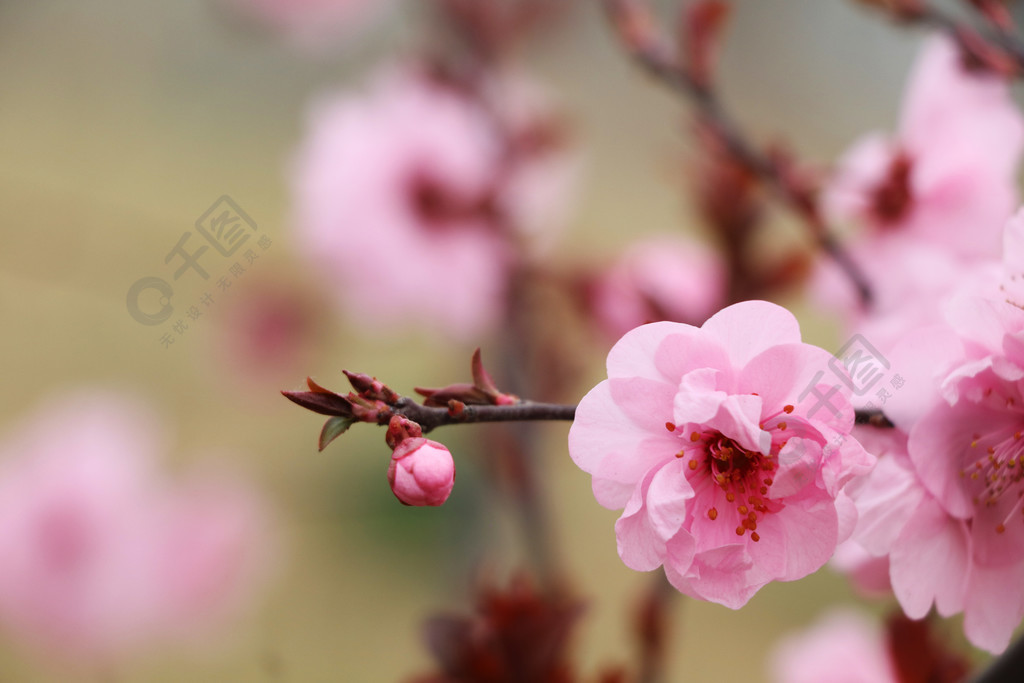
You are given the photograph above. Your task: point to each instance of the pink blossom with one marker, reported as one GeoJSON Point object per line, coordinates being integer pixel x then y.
{"type": "Point", "coordinates": [311, 22]}
{"type": "Point", "coordinates": [101, 556]}
{"type": "Point", "coordinates": [664, 278]}
{"type": "Point", "coordinates": [267, 333]}
{"type": "Point", "coordinates": [933, 199]}
{"type": "Point", "coordinates": [909, 279]}
{"type": "Point", "coordinates": [421, 472]}
{"type": "Point", "coordinates": [949, 175]}
{"type": "Point", "coordinates": [884, 497]}
{"type": "Point", "coordinates": [946, 505]}
{"type": "Point", "coordinates": [395, 203]}
{"type": "Point", "coordinates": [843, 647]}
{"type": "Point", "coordinates": [962, 546]}
{"type": "Point", "coordinates": [716, 442]}
{"type": "Point", "coordinates": [543, 168]}
{"type": "Point", "coordinates": [868, 574]}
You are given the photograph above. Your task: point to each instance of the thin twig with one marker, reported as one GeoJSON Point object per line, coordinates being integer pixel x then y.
{"type": "Point", "coordinates": [431, 418]}
{"type": "Point", "coordinates": [656, 57]}
{"type": "Point", "coordinates": [653, 629]}
{"type": "Point", "coordinates": [969, 38]}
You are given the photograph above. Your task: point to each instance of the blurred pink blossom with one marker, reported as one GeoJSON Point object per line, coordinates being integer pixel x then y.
{"type": "Point", "coordinates": [843, 647]}
{"type": "Point", "coordinates": [542, 168]}
{"type": "Point", "coordinates": [421, 472]}
{"type": "Point", "coordinates": [99, 554]}
{"type": "Point", "coordinates": [311, 22]}
{"type": "Point", "coordinates": [868, 574]}
{"type": "Point", "coordinates": [949, 175]}
{"type": "Point", "coordinates": [933, 200]}
{"type": "Point", "coordinates": [909, 279]}
{"type": "Point", "coordinates": [267, 333]}
{"type": "Point", "coordinates": [394, 193]}
{"type": "Point", "coordinates": [716, 441]}
{"type": "Point", "coordinates": [664, 278]}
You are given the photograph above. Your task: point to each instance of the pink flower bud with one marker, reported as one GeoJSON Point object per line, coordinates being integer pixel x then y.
{"type": "Point", "coordinates": [422, 472]}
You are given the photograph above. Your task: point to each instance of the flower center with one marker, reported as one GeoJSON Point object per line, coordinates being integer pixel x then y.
{"type": "Point", "coordinates": [441, 207]}
{"type": "Point", "coordinates": [742, 475]}
{"type": "Point", "coordinates": [891, 199]}
{"type": "Point", "coordinates": [994, 468]}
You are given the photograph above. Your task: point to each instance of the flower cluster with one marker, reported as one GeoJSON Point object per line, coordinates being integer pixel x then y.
{"type": "Point", "coordinates": [738, 454]}
{"type": "Point", "coordinates": [941, 515]}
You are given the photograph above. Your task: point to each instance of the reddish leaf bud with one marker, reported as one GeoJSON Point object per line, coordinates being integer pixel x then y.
{"type": "Point", "coordinates": [371, 387]}
{"type": "Point", "coordinates": [401, 429]}
{"type": "Point", "coordinates": [702, 25]}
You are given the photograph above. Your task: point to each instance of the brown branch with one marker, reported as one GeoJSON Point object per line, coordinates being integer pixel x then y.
{"type": "Point", "coordinates": [653, 626]}
{"type": "Point", "coordinates": [376, 403]}
{"type": "Point", "coordinates": [430, 417]}
{"type": "Point", "coordinates": [524, 411]}
{"type": "Point", "coordinates": [1001, 52]}
{"type": "Point", "coordinates": [656, 55]}
{"type": "Point", "coordinates": [872, 418]}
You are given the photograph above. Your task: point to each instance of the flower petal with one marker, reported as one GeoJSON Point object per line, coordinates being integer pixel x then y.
{"type": "Point", "coordinates": [994, 606]}
{"type": "Point", "coordinates": [749, 327]}
{"type": "Point", "coordinates": [604, 440]}
{"type": "Point", "coordinates": [930, 562]}
{"type": "Point", "coordinates": [719, 575]}
{"type": "Point", "coordinates": [634, 354]}
{"type": "Point", "coordinates": [667, 498]}
{"type": "Point", "coordinates": [640, 547]}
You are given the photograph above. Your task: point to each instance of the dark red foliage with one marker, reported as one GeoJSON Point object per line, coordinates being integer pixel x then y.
{"type": "Point", "coordinates": [517, 635]}
{"type": "Point", "coordinates": [920, 656]}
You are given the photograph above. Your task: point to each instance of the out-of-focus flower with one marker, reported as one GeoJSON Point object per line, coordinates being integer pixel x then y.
{"type": "Point", "coordinates": [267, 332]}
{"type": "Point", "coordinates": [717, 442]}
{"type": "Point", "coordinates": [844, 647]}
{"type": "Point", "coordinates": [542, 168]}
{"type": "Point", "coordinates": [909, 279]}
{"type": "Point", "coordinates": [395, 205]}
{"type": "Point", "coordinates": [933, 200]}
{"type": "Point", "coordinates": [415, 199]}
{"type": "Point", "coordinates": [422, 472]}
{"type": "Point", "coordinates": [949, 176]}
{"type": "Point", "coordinates": [868, 574]}
{"type": "Point", "coordinates": [100, 555]}
{"type": "Point", "coordinates": [311, 22]}
{"type": "Point", "coordinates": [664, 278]}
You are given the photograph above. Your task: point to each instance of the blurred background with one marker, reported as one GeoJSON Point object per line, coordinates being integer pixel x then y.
{"type": "Point", "coordinates": [122, 122]}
